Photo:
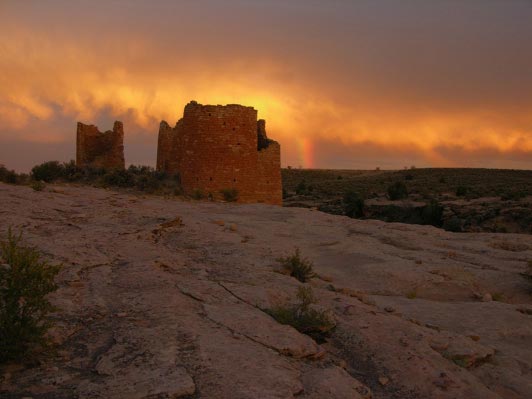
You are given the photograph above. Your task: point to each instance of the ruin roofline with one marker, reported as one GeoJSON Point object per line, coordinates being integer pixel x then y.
{"type": "Point", "coordinates": [196, 104]}
{"type": "Point", "coordinates": [96, 130]}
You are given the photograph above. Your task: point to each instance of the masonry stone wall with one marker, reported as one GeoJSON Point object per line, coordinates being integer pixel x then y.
{"type": "Point", "coordinates": [216, 147]}
{"type": "Point", "coordinates": [100, 150]}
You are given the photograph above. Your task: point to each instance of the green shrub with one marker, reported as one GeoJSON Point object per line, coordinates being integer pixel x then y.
{"type": "Point", "coordinates": [37, 185]}
{"type": "Point", "coordinates": [353, 204]}
{"type": "Point", "coordinates": [397, 191]}
{"type": "Point", "coordinates": [301, 188]}
{"type": "Point", "coordinates": [303, 317]}
{"type": "Point", "coordinates": [148, 183]}
{"type": "Point", "coordinates": [118, 178]}
{"type": "Point", "coordinates": [8, 176]}
{"type": "Point", "coordinates": [298, 267]}
{"type": "Point", "coordinates": [230, 194]}
{"type": "Point", "coordinates": [48, 171]}
{"type": "Point", "coordinates": [197, 194]}
{"type": "Point", "coordinates": [432, 213]}
{"type": "Point", "coordinates": [25, 281]}
{"type": "Point", "coordinates": [461, 191]}
{"type": "Point", "coordinates": [71, 172]}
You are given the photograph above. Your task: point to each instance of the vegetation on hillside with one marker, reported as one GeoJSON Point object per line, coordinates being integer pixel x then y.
{"type": "Point", "coordinates": [139, 178]}
{"type": "Point", "coordinates": [25, 282]}
{"type": "Point", "coordinates": [297, 266]}
{"type": "Point", "coordinates": [303, 316]}
{"type": "Point", "coordinates": [438, 197]}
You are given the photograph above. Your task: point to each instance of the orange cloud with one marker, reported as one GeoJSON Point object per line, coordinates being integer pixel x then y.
{"type": "Point", "coordinates": [51, 78]}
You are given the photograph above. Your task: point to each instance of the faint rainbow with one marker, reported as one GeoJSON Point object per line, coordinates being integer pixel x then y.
{"type": "Point", "coordinates": [305, 147]}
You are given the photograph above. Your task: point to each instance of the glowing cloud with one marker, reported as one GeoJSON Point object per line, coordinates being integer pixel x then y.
{"type": "Point", "coordinates": [313, 77]}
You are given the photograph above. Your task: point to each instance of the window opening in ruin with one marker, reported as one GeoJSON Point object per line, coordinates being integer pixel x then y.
{"type": "Point", "coordinates": [210, 178]}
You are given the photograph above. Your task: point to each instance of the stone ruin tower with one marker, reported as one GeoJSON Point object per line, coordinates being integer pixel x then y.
{"type": "Point", "coordinates": [215, 147]}
{"type": "Point", "coordinates": [100, 150]}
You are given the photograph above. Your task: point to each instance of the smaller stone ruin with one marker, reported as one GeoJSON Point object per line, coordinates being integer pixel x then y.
{"type": "Point", "coordinates": [100, 150]}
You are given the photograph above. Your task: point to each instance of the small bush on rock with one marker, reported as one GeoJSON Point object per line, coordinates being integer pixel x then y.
{"type": "Point", "coordinates": [461, 191]}
{"type": "Point", "coordinates": [25, 281]}
{"type": "Point", "coordinates": [433, 213]}
{"type": "Point", "coordinates": [298, 267]}
{"type": "Point", "coordinates": [230, 194]}
{"type": "Point", "coordinates": [118, 178]}
{"type": "Point", "coordinates": [303, 317]}
{"type": "Point", "coordinates": [301, 188]}
{"type": "Point", "coordinates": [8, 176]}
{"type": "Point", "coordinates": [397, 191]}
{"type": "Point", "coordinates": [48, 171]}
{"type": "Point", "coordinates": [353, 204]}
{"type": "Point", "coordinates": [37, 185]}
{"type": "Point", "coordinates": [197, 194]}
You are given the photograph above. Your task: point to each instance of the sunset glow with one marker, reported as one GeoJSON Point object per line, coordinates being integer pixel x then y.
{"type": "Point", "coordinates": [336, 90]}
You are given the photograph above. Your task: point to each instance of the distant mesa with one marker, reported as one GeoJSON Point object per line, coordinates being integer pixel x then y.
{"type": "Point", "coordinates": [100, 150]}
{"type": "Point", "coordinates": [212, 148]}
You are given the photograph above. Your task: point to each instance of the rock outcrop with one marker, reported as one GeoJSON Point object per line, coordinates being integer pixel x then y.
{"type": "Point", "coordinates": [160, 298]}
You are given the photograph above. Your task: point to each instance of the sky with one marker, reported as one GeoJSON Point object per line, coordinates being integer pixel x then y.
{"type": "Point", "coordinates": [341, 83]}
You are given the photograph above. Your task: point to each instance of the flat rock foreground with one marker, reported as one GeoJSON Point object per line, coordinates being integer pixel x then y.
{"type": "Point", "coordinates": [163, 298]}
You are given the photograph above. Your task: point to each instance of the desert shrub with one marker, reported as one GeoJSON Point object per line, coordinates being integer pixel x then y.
{"type": "Point", "coordinates": [139, 169]}
{"type": "Point", "coordinates": [298, 267]}
{"type": "Point", "coordinates": [353, 204]}
{"type": "Point", "coordinates": [25, 281]}
{"type": "Point", "coordinates": [48, 171]}
{"type": "Point", "coordinates": [91, 174]}
{"type": "Point", "coordinates": [118, 178]}
{"type": "Point", "coordinates": [303, 316]}
{"type": "Point", "coordinates": [397, 191]}
{"type": "Point", "coordinates": [71, 172]}
{"type": "Point", "coordinates": [148, 182]}
{"type": "Point", "coordinates": [229, 194]}
{"type": "Point", "coordinates": [197, 194]}
{"type": "Point", "coordinates": [412, 294]}
{"type": "Point", "coordinates": [513, 195]}
{"type": "Point", "coordinates": [461, 191]}
{"type": "Point", "coordinates": [409, 177]}
{"type": "Point", "coordinates": [8, 176]}
{"type": "Point", "coordinates": [301, 188]}
{"type": "Point", "coordinates": [37, 185]}
{"type": "Point", "coordinates": [432, 214]}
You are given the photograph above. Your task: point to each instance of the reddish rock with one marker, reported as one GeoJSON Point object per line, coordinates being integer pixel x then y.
{"type": "Point", "coordinates": [214, 148]}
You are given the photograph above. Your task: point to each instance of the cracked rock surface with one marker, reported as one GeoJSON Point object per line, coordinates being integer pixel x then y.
{"type": "Point", "coordinates": [162, 298]}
